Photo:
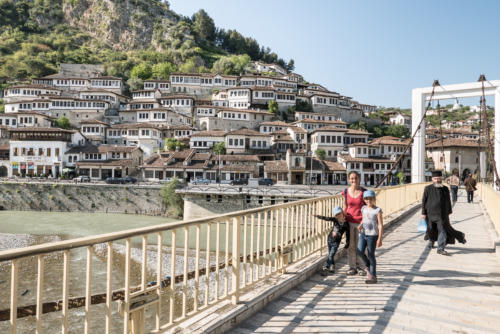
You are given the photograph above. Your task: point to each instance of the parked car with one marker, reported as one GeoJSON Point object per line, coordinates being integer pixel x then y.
{"type": "Point", "coordinates": [115, 180]}
{"type": "Point", "coordinates": [265, 182]}
{"type": "Point", "coordinates": [82, 178]}
{"type": "Point", "coordinates": [238, 182]}
{"type": "Point", "coordinates": [200, 180]}
{"type": "Point", "coordinates": [130, 179]}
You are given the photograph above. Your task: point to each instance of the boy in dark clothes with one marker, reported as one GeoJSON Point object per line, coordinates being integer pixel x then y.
{"type": "Point", "coordinates": [340, 226]}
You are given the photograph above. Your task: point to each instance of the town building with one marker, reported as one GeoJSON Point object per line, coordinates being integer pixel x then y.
{"type": "Point", "coordinates": [460, 154]}
{"type": "Point", "coordinates": [103, 161]}
{"type": "Point", "coordinates": [40, 151]}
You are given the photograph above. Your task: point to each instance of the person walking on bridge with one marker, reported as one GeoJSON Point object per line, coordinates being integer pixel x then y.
{"type": "Point", "coordinates": [454, 182]}
{"type": "Point", "coordinates": [436, 208]}
{"type": "Point", "coordinates": [470, 187]}
{"type": "Point", "coordinates": [353, 202]}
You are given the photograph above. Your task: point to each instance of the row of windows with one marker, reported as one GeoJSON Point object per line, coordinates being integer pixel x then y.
{"type": "Point", "coordinates": [236, 142]}
{"type": "Point", "coordinates": [235, 115]}
{"type": "Point", "coordinates": [135, 106]}
{"type": "Point", "coordinates": [286, 97]}
{"type": "Point", "coordinates": [198, 143]}
{"type": "Point", "coordinates": [93, 156]}
{"type": "Point", "coordinates": [177, 102]}
{"type": "Point", "coordinates": [143, 94]}
{"type": "Point", "coordinates": [78, 104]}
{"type": "Point", "coordinates": [23, 151]}
{"type": "Point", "coordinates": [238, 93]}
{"type": "Point", "coordinates": [271, 128]}
{"type": "Point", "coordinates": [99, 97]}
{"type": "Point", "coordinates": [331, 139]}
{"type": "Point", "coordinates": [239, 104]}
{"type": "Point", "coordinates": [205, 111]}
{"type": "Point", "coordinates": [92, 129]}
{"type": "Point", "coordinates": [8, 121]}
{"type": "Point", "coordinates": [70, 82]}
{"type": "Point", "coordinates": [105, 83]}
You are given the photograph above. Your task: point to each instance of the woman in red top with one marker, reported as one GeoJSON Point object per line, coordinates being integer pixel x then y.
{"type": "Point", "coordinates": [352, 207]}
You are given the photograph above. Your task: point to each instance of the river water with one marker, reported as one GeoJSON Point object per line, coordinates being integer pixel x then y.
{"type": "Point", "coordinates": [26, 228]}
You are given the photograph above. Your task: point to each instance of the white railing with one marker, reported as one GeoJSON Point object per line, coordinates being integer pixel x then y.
{"type": "Point", "coordinates": [164, 274]}
{"type": "Point", "coordinates": [490, 199]}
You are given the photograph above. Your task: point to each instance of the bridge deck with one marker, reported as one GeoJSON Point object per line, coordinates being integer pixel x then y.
{"type": "Point", "coordinates": [418, 291]}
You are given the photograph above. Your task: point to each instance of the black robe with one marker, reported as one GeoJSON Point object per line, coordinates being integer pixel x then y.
{"type": "Point", "coordinates": [436, 205]}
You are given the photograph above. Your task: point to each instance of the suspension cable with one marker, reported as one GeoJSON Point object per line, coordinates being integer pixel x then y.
{"type": "Point", "coordinates": [441, 135]}
{"type": "Point", "coordinates": [487, 127]}
{"type": "Point", "coordinates": [434, 85]}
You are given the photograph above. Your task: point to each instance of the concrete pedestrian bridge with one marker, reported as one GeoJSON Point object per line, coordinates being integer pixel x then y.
{"type": "Point", "coordinates": [256, 271]}
{"type": "Point", "coordinates": [418, 291]}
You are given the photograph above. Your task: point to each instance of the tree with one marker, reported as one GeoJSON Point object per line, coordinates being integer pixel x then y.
{"type": "Point", "coordinates": [272, 107]}
{"type": "Point", "coordinates": [301, 105]}
{"type": "Point", "coordinates": [399, 131]}
{"type": "Point", "coordinates": [359, 125]}
{"type": "Point", "coordinates": [135, 83]}
{"type": "Point", "coordinates": [290, 66]}
{"type": "Point", "coordinates": [172, 200]}
{"type": "Point", "coordinates": [142, 71]}
{"type": "Point", "coordinates": [320, 153]}
{"type": "Point", "coordinates": [378, 131]}
{"type": "Point", "coordinates": [220, 148]}
{"type": "Point", "coordinates": [62, 122]}
{"type": "Point", "coordinates": [163, 70]}
{"type": "Point", "coordinates": [203, 26]}
{"type": "Point", "coordinates": [172, 144]}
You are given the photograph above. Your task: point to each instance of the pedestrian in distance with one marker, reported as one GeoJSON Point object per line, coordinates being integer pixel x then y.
{"type": "Point", "coordinates": [353, 202]}
{"type": "Point", "coordinates": [454, 182]}
{"type": "Point", "coordinates": [470, 187]}
{"type": "Point", "coordinates": [436, 208]}
{"type": "Point", "coordinates": [371, 230]}
{"type": "Point", "coordinates": [340, 226]}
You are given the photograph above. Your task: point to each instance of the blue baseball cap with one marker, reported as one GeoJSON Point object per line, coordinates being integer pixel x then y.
{"type": "Point", "coordinates": [336, 210]}
{"type": "Point", "coordinates": [369, 193]}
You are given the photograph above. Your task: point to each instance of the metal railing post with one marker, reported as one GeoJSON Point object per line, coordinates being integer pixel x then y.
{"type": "Point", "coordinates": [236, 260]}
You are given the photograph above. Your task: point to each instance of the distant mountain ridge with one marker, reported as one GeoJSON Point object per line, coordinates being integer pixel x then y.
{"type": "Point", "coordinates": [37, 35]}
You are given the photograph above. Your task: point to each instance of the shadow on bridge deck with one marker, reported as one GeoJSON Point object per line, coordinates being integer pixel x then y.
{"type": "Point", "coordinates": [419, 291]}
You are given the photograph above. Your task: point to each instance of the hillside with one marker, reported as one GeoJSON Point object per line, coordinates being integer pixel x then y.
{"type": "Point", "coordinates": [137, 39]}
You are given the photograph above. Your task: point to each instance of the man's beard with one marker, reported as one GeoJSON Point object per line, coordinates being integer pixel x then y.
{"type": "Point", "coordinates": [438, 185]}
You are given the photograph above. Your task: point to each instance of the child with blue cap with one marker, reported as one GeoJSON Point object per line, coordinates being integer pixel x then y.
{"type": "Point", "coordinates": [371, 230]}
{"type": "Point", "coordinates": [340, 226]}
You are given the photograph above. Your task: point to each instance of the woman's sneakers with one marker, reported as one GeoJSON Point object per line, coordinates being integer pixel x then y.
{"type": "Point", "coordinates": [332, 269]}
{"type": "Point", "coordinates": [370, 278]}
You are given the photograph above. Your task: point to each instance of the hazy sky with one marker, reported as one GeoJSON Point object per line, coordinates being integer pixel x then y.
{"type": "Point", "coordinates": [373, 51]}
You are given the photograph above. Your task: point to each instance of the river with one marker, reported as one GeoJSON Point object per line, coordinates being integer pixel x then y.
{"type": "Point", "coordinates": [27, 228]}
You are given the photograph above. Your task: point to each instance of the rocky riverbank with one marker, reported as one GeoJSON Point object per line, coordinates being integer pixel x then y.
{"type": "Point", "coordinates": [81, 197]}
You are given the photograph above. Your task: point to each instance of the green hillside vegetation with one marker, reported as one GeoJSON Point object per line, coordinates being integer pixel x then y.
{"type": "Point", "coordinates": [134, 39]}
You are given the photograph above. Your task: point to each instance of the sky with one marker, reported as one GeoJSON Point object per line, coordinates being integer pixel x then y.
{"type": "Point", "coordinates": [373, 51]}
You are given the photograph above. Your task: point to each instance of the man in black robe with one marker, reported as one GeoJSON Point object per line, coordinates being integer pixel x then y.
{"type": "Point", "coordinates": [436, 208]}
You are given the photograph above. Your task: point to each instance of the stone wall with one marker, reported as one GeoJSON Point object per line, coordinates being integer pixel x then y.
{"type": "Point", "coordinates": [81, 197]}
{"type": "Point", "coordinates": [205, 205]}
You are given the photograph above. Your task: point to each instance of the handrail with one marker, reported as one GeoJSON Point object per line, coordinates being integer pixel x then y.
{"type": "Point", "coordinates": [248, 246]}
{"type": "Point", "coordinates": [113, 236]}
{"type": "Point", "coordinates": [490, 198]}
{"type": "Point", "coordinates": [107, 237]}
